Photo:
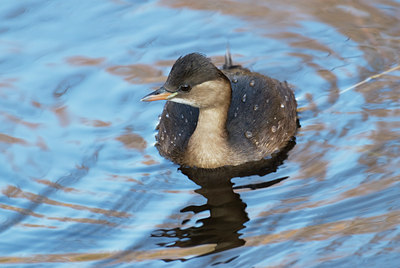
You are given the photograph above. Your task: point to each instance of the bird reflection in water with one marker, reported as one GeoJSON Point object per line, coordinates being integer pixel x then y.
{"type": "Point", "coordinates": [225, 207]}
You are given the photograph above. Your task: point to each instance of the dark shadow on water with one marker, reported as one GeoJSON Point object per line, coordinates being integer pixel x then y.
{"type": "Point", "coordinates": [228, 216]}
{"type": "Point", "coordinates": [227, 211]}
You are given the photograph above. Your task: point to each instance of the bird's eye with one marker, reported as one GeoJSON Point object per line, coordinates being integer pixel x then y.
{"type": "Point", "coordinates": [185, 88]}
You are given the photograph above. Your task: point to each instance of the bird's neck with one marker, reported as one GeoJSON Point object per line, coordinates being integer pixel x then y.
{"type": "Point", "coordinates": [208, 146]}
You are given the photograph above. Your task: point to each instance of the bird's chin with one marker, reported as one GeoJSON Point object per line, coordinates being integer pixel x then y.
{"type": "Point", "coordinates": [183, 101]}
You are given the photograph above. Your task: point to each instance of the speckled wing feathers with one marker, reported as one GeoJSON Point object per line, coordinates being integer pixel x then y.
{"type": "Point", "coordinates": [177, 124]}
{"type": "Point", "coordinates": [262, 116]}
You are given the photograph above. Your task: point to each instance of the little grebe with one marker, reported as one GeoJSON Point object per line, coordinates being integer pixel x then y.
{"type": "Point", "coordinates": [225, 117]}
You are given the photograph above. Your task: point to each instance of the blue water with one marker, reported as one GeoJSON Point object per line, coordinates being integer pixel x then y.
{"type": "Point", "coordinates": [82, 183]}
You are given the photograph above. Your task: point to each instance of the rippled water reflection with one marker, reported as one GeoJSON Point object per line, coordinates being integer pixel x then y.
{"type": "Point", "coordinates": [82, 183]}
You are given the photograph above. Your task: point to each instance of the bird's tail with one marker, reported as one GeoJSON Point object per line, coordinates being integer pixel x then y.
{"type": "Point", "coordinates": [228, 60]}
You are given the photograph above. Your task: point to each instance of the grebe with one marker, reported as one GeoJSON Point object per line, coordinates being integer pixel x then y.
{"type": "Point", "coordinates": [222, 117]}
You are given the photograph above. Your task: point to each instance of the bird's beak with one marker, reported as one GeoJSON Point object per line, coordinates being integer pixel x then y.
{"type": "Point", "coordinates": [159, 94]}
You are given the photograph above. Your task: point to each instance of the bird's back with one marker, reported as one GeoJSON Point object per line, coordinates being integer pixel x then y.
{"type": "Point", "coordinates": [262, 116]}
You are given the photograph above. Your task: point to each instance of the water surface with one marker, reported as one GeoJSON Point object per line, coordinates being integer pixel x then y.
{"type": "Point", "coordinates": [82, 184]}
